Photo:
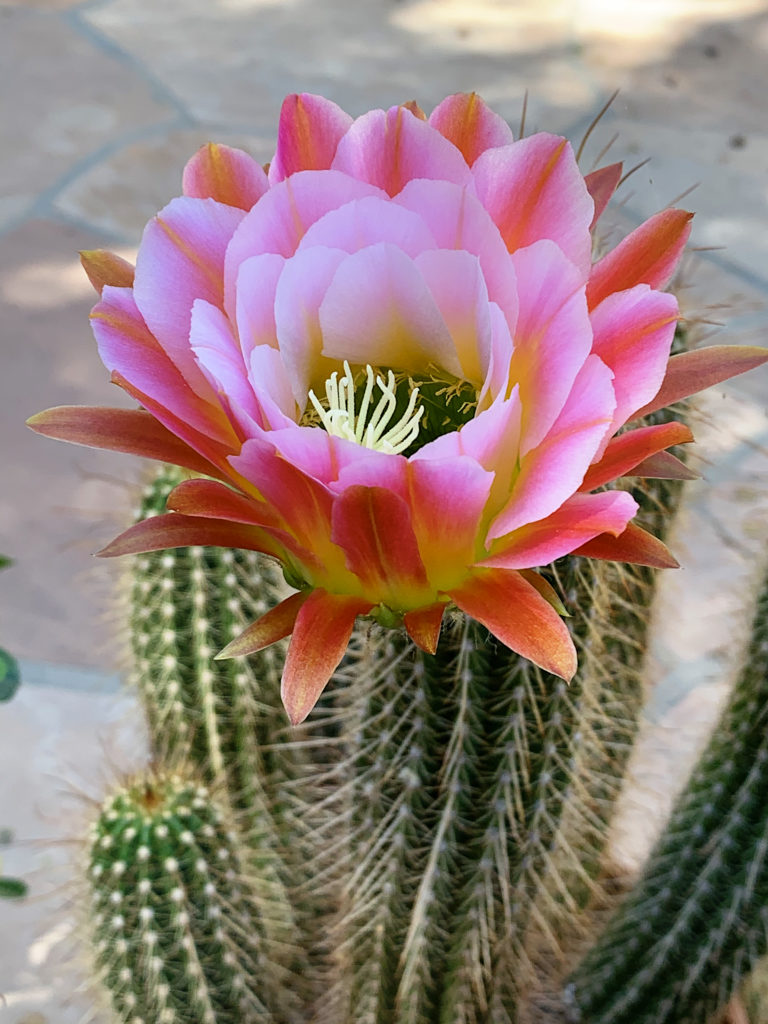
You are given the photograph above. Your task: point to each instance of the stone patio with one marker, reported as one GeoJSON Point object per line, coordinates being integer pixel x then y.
{"type": "Point", "coordinates": [102, 104]}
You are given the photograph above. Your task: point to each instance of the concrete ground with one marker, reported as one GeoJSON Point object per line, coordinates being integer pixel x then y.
{"type": "Point", "coordinates": [102, 102]}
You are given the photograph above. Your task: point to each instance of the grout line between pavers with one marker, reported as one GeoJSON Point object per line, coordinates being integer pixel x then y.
{"type": "Point", "coordinates": [76, 678]}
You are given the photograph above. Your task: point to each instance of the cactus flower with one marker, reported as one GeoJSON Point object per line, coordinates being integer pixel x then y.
{"type": "Point", "coordinates": [392, 364]}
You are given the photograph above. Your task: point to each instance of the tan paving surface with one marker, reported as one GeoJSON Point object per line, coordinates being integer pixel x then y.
{"type": "Point", "coordinates": [103, 101]}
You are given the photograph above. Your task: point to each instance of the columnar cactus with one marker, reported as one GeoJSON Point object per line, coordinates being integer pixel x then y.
{"type": "Point", "coordinates": [178, 921]}
{"type": "Point", "coordinates": [697, 921]}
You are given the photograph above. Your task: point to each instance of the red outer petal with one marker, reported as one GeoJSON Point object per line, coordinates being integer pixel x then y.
{"type": "Point", "coordinates": [225, 174]}
{"type": "Point", "coordinates": [213, 500]}
{"type": "Point", "coordinates": [104, 267]}
{"type": "Point", "coordinates": [627, 451]}
{"type": "Point", "coordinates": [647, 256]}
{"type": "Point", "coordinates": [517, 614]}
{"type": "Point", "coordinates": [320, 637]}
{"type": "Point", "coordinates": [131, 431]}
{"type": "Point", "coordinates": [601, 184]}
{"type": "Point", "coordinates": [275, 624]}
{"type": "Point", "coordinates": [694, 371]}
{"type": "Point", "coordinates": [423, 626]}
{"type": "Point", "coordinates": [664, 466]}
{"type": "Point", "coordinates": [310, 130]}
{"type": "Point", "coordinates": [373, 526]}
{"type": "Point", "coordinates": [634, 545]}
{"type": "Point", "coordinates": [177, 531]}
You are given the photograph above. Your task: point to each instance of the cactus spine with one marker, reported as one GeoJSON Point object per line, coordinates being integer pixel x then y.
{"type": "Point", "coordinates": [178, 930]}
{"type": "Point", "coordinates": [697, 921]}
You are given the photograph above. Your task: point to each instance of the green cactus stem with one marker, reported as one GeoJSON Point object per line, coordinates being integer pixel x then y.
{"type": "Point", "coordinates": [696, 923]}
{"type": "Point", "coordinates": [177, 921]}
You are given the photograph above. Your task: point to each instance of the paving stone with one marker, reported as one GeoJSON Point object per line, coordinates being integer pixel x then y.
{"type": "Point", "coordinates": [232, 64]}
{"type": "Point", "coordinates": [121, 193]}
{"type": "Point", "coordinates": [59, 503]}
{"type": "Point", "coordinates": [54, 762]}
{"type": "Point", "coordinates": [64, 99]}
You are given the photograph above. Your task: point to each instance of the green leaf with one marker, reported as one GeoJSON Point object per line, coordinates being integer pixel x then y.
{"type": "Point", "coordinates": [10, 676]}
{"type": "Point", "coordinates": [5, 561]}
{"type": "Point", "coordinates": [12, 888]}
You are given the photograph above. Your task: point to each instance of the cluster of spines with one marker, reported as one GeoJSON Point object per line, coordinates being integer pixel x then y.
{"type": "Point", "coordinates": [178, 931]}
{"type": "Point", "coordinates": [696, 923]}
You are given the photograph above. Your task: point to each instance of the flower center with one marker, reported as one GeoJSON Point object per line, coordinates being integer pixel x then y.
{"type": "Point", "coordinates": [370, 425]}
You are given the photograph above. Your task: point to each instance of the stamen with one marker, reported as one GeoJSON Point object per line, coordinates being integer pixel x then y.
{"type": "Point", "coordinates": [375, 432]}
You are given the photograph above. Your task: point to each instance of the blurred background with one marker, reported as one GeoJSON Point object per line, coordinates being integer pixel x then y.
{"type": "Point", "coordinates": [102, 103]}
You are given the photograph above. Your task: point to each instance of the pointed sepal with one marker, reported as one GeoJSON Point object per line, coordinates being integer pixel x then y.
{"type": "Point", "coordinates": [274, 625]}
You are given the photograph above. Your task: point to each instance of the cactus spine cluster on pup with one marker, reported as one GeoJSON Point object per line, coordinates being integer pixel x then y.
{"type": "Point", "coordinates": [178, 935]}
{"type": "Point", "coordinates": [697, 922]}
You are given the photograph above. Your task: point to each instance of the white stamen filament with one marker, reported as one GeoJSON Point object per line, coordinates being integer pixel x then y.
{"type": "Point", "coordinates": [339, 418]}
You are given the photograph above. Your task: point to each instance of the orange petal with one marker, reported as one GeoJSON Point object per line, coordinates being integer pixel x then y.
{"type": "Point", "coordinates": [177, 531]}
{"type": "Point", "coordinates": [545, 588]}
{"type": "Point", "coordinates": [648, 255]}
{"type": "Point", "coordinates": [131, 431]}
{"type": "Point", "coordinates": [275, 624]}
{"type": "Point", "coordinates": [625, 452]}
{"type": "Point", "coordinates": [423, 626]}
{"type": "Point", "coordinates": [104, 267]}
{"type": "Point", "coordinates": [213, 500]}
{"type": "Point", "coordinates": [601, 184]}
{"type": "Point", "coordinates": [634, 545]}
{"type": "Point", "coordinates": [691, 372]}
{"type": "Point", "coordinates": [664, 466]}
{"type": "Point", "coordinates": [320, 637]}
{"type": "Point", "coordinates": [517, 614]}
{"type": "Point", "coordinates": [415, 109]}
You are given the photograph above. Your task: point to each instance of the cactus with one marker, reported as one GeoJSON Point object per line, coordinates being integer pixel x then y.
{"type": "Point", "coordinates": [696, 922]}
{"type": "Point", "coordinates": [178, 924]}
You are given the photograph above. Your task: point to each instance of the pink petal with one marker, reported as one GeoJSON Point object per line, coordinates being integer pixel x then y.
{"type": "Point", "coordinates": [254, 311]}
{"type": "Point", "coordinates": [278, 222]}
{"type": "Point", "coordinates": [513, 610]}
{"type": "Point", "coordinates": [601, 184]}
{"type": "Point", "coordinates": [423, 626]}
{"type": "Point", "coordinates": [272, 387]}
{"type": "Point", "coordinates": [552, 472]}
{"type": "Point", "coordinates": [299, 293]}
{"type": "Point", "coordinates": [458, 220]}
{"type": "Point", "coordinates": [533, 189]}
{"type": "Point", "coordinates": [225, 174]}
{"type": "Point", "coordinates": [449, 542]}
{"type": "Point", "coordinates": [181, 259]}
{"type": "Point", "coordinates": [552, 338]}
{"type": "Point", "coordinates": [274, 625]}
{"type": "Point", "coordinates": [633, 332]}
{"type": "Point", "coordinates": [627, 451]}
{"type": "Point", "coordinates": [634, 545]}
{"type": "Point", "coordinates": [497, 381]}
{"type": "Point", "coordinates": [373, 526]}
{"type": "Point", "coordinates": [178, 531]}
{"type": "Point", "coordinates": [369, 468]}
{"type": "Point", "coordinates": [129, 350]}
{"type": "Point", "coordinates": [470, 124]}
{"type": "Point", "coordinates": [309, 132]}
{"type": "Point", "coordinates": [104, 267]}
{"type": "Point", "coordinates": [365, 222]}
{"type": "Point", "coordinates": [691, 372]}
{"type": "Point", "coordinates": [378, 310]}
{"type": "Point", "coordinates": [648, 256]}
{"type": "Point", "coordinates": [577, 521]}
{"type": "Point", "coordinates": [132, 431]}
{"type": "Point", "coordinates": [320, 637]}
{"type": "Point", "coordinates": [456, 283]}
{"type": "Point", "coordinates": [219, 357]}
{"type": "Point", "coordinates": [390, 148]}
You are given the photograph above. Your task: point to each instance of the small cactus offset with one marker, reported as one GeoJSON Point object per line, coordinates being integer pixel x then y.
{"type": "Point", "coordinates": [696, 923]}
{"type": "Point", "coordinates": [177, 922]}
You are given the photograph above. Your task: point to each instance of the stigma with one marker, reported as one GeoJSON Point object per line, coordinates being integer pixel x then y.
{"type": "Point", "coordinates": [371, 424]}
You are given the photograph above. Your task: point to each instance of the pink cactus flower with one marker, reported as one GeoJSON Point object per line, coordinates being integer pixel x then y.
{"type": "Point", "coordinates": [393, 366]}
